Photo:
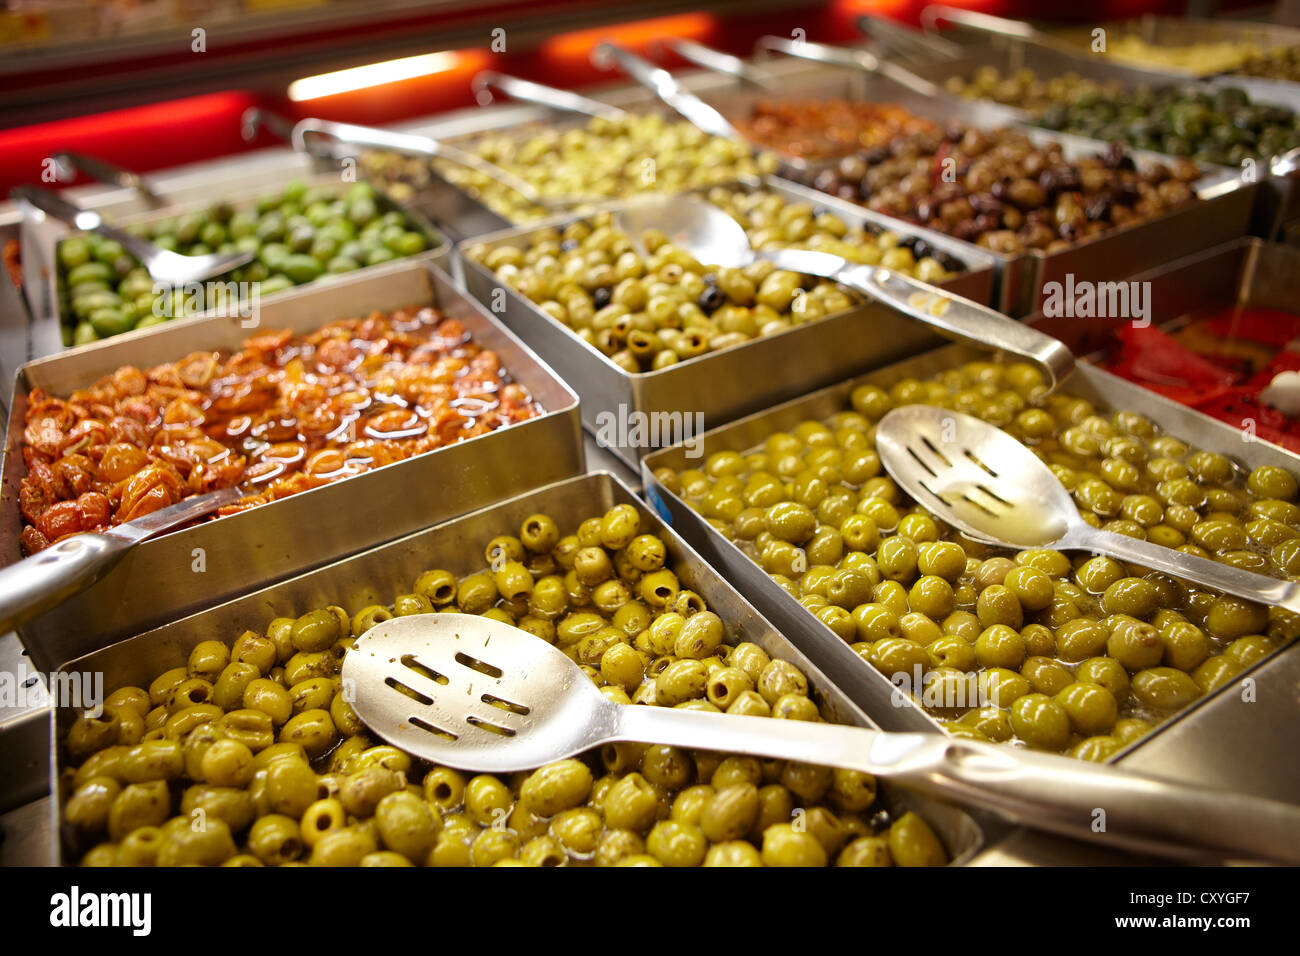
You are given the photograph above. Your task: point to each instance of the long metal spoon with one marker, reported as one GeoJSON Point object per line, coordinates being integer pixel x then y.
{"type": "Point", "coordinates": [34, 585]}
{"type": "Point", "coordinates": [662, 84]}
{"type": "Point", "coordinates": [713, 237]}
{"type": "Point", "coordinates": [539, 94]}
{"type": "Point", "coordinates": [308, 131]}
{"type": "Point", "coordinates": [982, 481]}
{"type": "Point", "coordinates": [164, 266]}
{"type": "Point", "coordinates": [474, 693]}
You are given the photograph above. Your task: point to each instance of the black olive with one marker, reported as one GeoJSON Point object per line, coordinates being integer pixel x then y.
{"type": "Point", "coordinates": [922, 249]}
{"type": "Point", "coordinates": [600, 296]}
{"type": "Point", "coordinates": [985, 203]}
{"type": "Point", "coordinates": [881, 820]}
{"type": "Point", "coordinates": [1126, 194]}
{"type": "Point", "coordinates": [1116, 157]}
{"type": "Point", "coordinates": [948, 261]}
{"type": "Point", "coordinates": [568, 245]}
{"type": "Point", "coordinates": [1098, 207]}
{"type": "Point", "coordinates": [827, 180]}
{"type": "Point", "coordinates": [711, 299]}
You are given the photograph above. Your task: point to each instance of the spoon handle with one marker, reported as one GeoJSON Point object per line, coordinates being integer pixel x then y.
{"type": "Point", "coordinates": [87, 220]}
{"type": "Point", "coordinates": [1071, 797]}
{"type": "Point", "coordinates": [539, 94]}
{"type": "Point", "coordinates": [410, 144]}
{"type": "Point", "coordinates": [951, 315]}
{"type": "Point", "coordinates": [34, 585]}
{"type": "Point", "coordinates": [1189, 567]}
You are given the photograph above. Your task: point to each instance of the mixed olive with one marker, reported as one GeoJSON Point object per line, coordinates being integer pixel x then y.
{"type": "Point", "coordinates": [1067, 653]}
{"type": "Point", "coordinates": [250, 754]}
{"type": "Point", "coordinates": [647, 312]}
{"type": "Point", "coordinates": [1220, 126]}
{"type": "Point", "coordinates": [298, 234]}
{"type": "Point", "coordinates": [605, 160]}
{"type": "Point", "coordinates": [1000, 189]}
{"type": "Point", "coordinates": [1279, 64]}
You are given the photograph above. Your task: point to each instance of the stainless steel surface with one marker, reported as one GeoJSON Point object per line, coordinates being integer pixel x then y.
{"type": "Point", "coordinates": [348, 138]}
{"type": "Point", "coordinates": [35, 585]}
{"type": "Point", "coordinates": [378, 574]}
{"type": "Point", "coordinates": [863, 683]}
{"type": "Point", "coordinates": [71, 163]}
{"type": "Point", "coordinates": [164, 265]}
{"type": "Point", "coordinates": [898, 37]}
{"type": "Point", "coordinates": [1244, 272]}
{"type": "Point", "coordinates": [852, 58]}
{"type": "Point", "coordinates": [977, 478]}
{"type": "Point", "coordinates": [721, 385]}
{"type": "Point", "coordinates": [711, 235]}
{"type": "Point", "coordinates": [661, 83]}
{"type": "Point", "coordinates": [526, 91]}
{"type": "Point", "coordinates": [482, 695]}
{"type": "Point", "coordinates": [25, 834]}
{"type": "Point", "coordinates": [169, 576]}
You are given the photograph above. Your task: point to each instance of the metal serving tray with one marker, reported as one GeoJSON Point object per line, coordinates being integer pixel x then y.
{"type": "Point", "coordinates": [1183, 31]}
{"type": "Point", "coordinates": [464, 216]}
{"type": "Point", "coordinates": [1223, 212]}
{"type": "Point", "coordinates": [1277, 201]}
{"type": "Point", "coordinates": [41, 240]}
{"type": "Point", "coordinates": [863, 683]}
{"type": "Point", "coordinates": [1244, 272]}
{"type": "Point", "coordinates": [155, 583]}
{"type": "Point", "coordinates": [724, 384]}
{"type": "Point", "coordinates": [379, 574]}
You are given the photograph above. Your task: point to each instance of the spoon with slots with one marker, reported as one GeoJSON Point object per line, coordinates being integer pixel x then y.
{"type": "Point", "coordinates": [165, 266]}
{"type": "Point", "coordinates": [713, 237]}
{"type": "Point", "coordinates": [977, 478]}
{"type": "Point", "coordinates": [476, 693]}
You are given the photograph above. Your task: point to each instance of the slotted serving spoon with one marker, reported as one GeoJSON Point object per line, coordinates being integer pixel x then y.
{"type": "Point", "coordinates": [474, 693]}
{"type": "Point", "coordinates": [980, 480]}
{"type": "Point", "coordinates": [714, 238]}
{"type": "Point", "coordinates": [164, 266]}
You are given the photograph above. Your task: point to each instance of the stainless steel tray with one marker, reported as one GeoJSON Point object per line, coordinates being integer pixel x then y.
{"type": "Point", "coordinates": [1183, 31]}
{"type": "Point", "coordinates": [40, 241]}
{"type": "Point", "coordinates": [154, 583]}
{"type": "Point", "coordinates": [863, 683]}
{"type": "Point", "coordinates": [1247, 271]}
{"type": "Point", "coordinates": [1223, 212]}
{"type": "Point", "coordinates": [375, 576]}
{"type": "Point", "coordinates": [1277, 200]}
{"type": "Point", "coordinates": [465, 216]}
{"type": "Point", "coordinates": [724, 384]}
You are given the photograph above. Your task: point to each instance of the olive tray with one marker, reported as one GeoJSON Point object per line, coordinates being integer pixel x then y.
{"type": "Point", "coordinates": [214, 560]}
{"type": "Point", "coordinates": [865, 685]}
{"type": "Point", "coordinates": [124, 208]}
{"type": "Point", "coordinates": [735, 381]}
{"type": "Point", "coordinates": [377, 575]}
